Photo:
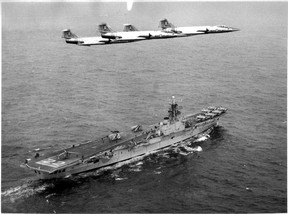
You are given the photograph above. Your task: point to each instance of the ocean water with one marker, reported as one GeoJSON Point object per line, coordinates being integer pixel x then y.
{"type": "Point", "coordinates": [55, 94]}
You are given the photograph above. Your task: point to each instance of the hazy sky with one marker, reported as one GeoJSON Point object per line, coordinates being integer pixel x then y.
{"type": "Point", "coordinates": [84, 17]}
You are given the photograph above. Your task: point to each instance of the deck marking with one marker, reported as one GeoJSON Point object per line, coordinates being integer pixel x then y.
{"type": "Point", "coordinates": [51, 162]}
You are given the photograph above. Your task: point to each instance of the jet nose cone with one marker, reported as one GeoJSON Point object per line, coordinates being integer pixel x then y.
{"type": "Point", "coordinates": [234, 29]}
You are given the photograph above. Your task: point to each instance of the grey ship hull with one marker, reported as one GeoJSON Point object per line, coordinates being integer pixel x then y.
{"type": "Point", "coordinates": [49, 168]}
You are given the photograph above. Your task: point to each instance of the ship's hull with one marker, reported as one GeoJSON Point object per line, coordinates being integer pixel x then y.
{"type": "Point", "coordinates": [123, 155]}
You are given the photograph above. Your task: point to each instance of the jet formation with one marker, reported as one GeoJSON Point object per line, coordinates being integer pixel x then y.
{"type": "Point", "coordinates": [131, 34]}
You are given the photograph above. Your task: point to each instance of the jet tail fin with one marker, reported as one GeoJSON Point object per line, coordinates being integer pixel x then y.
{"type": "Point", "coordinates": [104, 28]}
{"type": "Point", "coordinates": [165, 24]}
{"type": "Point", "coordinates": [129, 27]}
{"type": "Point", "coordinates": [67, 34]}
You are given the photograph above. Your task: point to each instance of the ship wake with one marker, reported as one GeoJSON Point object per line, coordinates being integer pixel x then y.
{"type": "Point", "coordinates": [183, 148]}
{"type": "Point", "coordinates": [24, 191]}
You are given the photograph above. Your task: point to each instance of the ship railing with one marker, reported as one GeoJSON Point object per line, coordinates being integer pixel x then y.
{"type": "Point", "coordinates": [37, 169]}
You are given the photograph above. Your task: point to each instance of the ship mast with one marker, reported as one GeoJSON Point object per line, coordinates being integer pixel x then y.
{"type": "Point", "coordinates": [173, 110]}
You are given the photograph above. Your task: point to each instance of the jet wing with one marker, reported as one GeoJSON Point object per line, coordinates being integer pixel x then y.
{"type": "Point", "coordinates": [128, 39]}
{"type": "Point", "coordinates": [110, 36]}
{"type": "Point", "coordinates": [132, 38]}
{"type": "Point", "coordinates": [123, 37]}
{"type": "Point", "coordinates": [88, 41]}
{"type": "Point", "coordinates": [159, 35]}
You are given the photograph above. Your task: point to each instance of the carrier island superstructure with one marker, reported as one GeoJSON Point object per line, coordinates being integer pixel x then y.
{"type": "Point", "coordinates": [113, 149]}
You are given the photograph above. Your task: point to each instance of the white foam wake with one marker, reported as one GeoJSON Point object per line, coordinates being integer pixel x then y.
{"type": "Point", "coordinates": [193, 149]}
{"type": "Point", "coordinates": [25, 190]}
{"type": "Point", "coordinates": [202, 138]}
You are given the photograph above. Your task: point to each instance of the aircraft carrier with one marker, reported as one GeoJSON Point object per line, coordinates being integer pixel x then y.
{"type": "Point", "coordinates": [114, 149]}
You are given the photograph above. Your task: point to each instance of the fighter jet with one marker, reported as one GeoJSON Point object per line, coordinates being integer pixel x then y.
{"type": "Point", "coordinates": [131, 34]}
{"type": "Point", "coordinates": [194, 30]}
{"type": "Point", "coordinates": [72, 38]}
{"type": "Point", "coordinates": [156, 34]}
{"type": "Point", "coordinates": [110, 38]}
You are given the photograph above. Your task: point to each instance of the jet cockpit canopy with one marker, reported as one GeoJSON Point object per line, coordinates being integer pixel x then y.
{"type": "Point", "coordinates": [129, 27]}
{"type": "Point", "coordinates": [222, 26]}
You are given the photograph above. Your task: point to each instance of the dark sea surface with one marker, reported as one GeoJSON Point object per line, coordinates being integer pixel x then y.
{"type": "Point", "coordinates": [55, 94]}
